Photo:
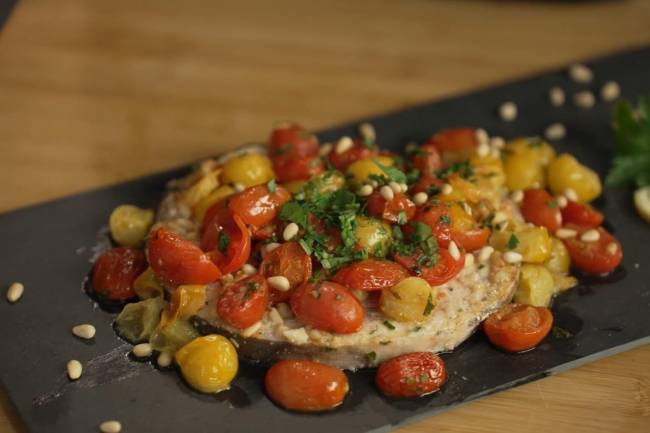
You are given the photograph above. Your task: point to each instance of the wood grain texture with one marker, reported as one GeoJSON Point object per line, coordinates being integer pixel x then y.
{"type": "Point", "coordinates": [92, 93]}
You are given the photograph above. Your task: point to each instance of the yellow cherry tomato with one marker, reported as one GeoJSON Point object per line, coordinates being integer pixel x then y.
{"type": "Point", "coordinates": [536, 286]}
{"type": "Point", "coordinates": [523, 171]}
{"type": "Point", "coordinates": [536, 147]}
{"type": "Point", "coordinates": [328, 181]}
{"type": "Point", "coordinates": [462, 190]}
{"type": "Point", "coordinates": [186, 301]}
{"type": "Point", "coordinates": [215, 196]}
{"type": "Point", "coordinates": [489, 172]}
{"type": "Point", "coordinates": [559, 261]}
{"type": "Point", "coordinates": [201, 188]}
{"type": "Point", "coordinates": [295, 186]}
{"type": "Point", "coordinates": [533, 243]}
{"type": "Point", "coordinates": [130, 224]}
{"type": "Point", "coordinates": [373, 235]}
{"type": "Point", "coordinates": [208, 363]}
{"type": "Point", "coordinates": [461, 221]}
{"type": "Point", "coordinates": [361, 170]}
{"type": "Point", "coordinates": [566, 172]}
{"type": "Point", "coordinates": [249, 169]}
{"type": "Point", "coordinates": [410, 300]}
{"type": "Point", "coordinates": [147, 285]}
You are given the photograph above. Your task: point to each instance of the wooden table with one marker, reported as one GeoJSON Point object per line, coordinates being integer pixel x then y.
{"type": "Point", "coordinates": [97, 92]}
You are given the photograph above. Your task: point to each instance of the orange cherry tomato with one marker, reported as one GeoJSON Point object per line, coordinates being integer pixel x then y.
{"type": "Point", "coordinates": [290, 140]}
{"type": "Point", "coordinates": [227, 241]}
{"type": "Point", "coordinates": [370, 274]}
{"type": "Point", "coordinates": [390, 209]}
{"type": "Point", "coordinates": [540, 208]}
{"type": "Point", "coordinates": [243, 303]}
{"type": "Point", "coordinates": [411, 375]}
{"type": "Point", "coordinates": [437, 216]}
{"type": "Point", "coordinates": [306, 386]}
{"type": "Point", "coordinates": [517, 327]}
{"type": "Point", "coordinates": [257, 206]}
{"type": "Point", "coordinates": [115, 271]}
{"type": "Point", "coordinates": [445, 269]}
{"type": "Point", "coordinates": [428, 183]}
{"type": "Point", "coordinates": [178, 260]}
{"type": "Point", "coordinates": [455, 140]}
{"type": "Point", "coordinates": [288, 260]}
{"type": "Point", "coordinates": [341, 161]}
{"type": "Point", "coordinates": [594, 257]}
{"type": "Point", "coordinates": [581, 214]}
{"type": "Point", "coordinates": [426, 159]}
{"type": "Point", "coordinates": [299, 168]}
{"type": "Point", "coordinates": [473, 239]}
{"type": "Point", "coordinates": [327, 306]}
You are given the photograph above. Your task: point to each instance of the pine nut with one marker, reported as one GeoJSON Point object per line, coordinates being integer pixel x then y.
{"type": "Point", "coordinates": [485, 254]}
{"type": "Point", "coordinates": [228, 278]}
{"type": "Point", "coordinates": [290, 231]}
{"type": "Point", "coordinates": [558, 218]}
{"type": "Point", "coordinates": [482, 136]}
{"type": "Point", "coordinates": [469, 260]}
{"type": "Point", "coordinates": [164, 359]}
{"type": "Point", "coordinates": [467, 208]}
{"type": "Point", "coordinates": [561, 201]}
{"type": "Point", "coordinates": [249, 269]}
{"type": "Point", "coordinates": [499, 217]}
{"type": "Point", "coordinates": [325, 149]}
{"type": "Point", "coordinates": [396, 187]}
{"type": "Point", "coordinates": [483, 150]}
{"type": "Point", "coordinates": [565, 233]}
{"type": "Point", "coordinates": [556, 96]}
{"type": "Point", "coordinates": [84, 331]}
{"type": "Point", "coordinates": [580, 73]}
{"type": "Point", "coordinates": [279, 282]}
{"type": "Point", "coordinates": [374, 183]}
{"type": "Point", "coordinates": [387, 192]}
{"type": "Point", "coordinates": [142, 350]}
{"type": "Point", "coordinates": [110, 427]}
{"type": "Point", "coordinates": [584, 99]}
{"type": "Point", "coordinates": [508, 111]}
{"type": "Point", "coordinates": [367, 131]}
{"type": "Point", "coordinates": [404, 187]}
{"type": "Point", "coordinates": [571, 194]}
{"type": "Point", "coordinates": [284, 310]}
{"type": "Point", "coordinates": [517, 196]}
{"type": "Point", "coordinates": [497, 142]}
{"type": "Point", "coordinates": [15, 292]}
{"type": "Point", "coordinates": [275, 316]}
{"type": "Point", "coordinates": [591, 235]}
{"type": "Point", "coordinates": [610, 91]}
{"type": "Point", "coordinates": [251, 330]}
{"type": "Point", "coordinates": [512, 257]}
{"type": "Point", "coordinates": [344, 144]}
{"type": "Point", "coordinates": [238, 186]}
{"type": "Point", "coordinates": [420, 198]}
{"type": "Point", "coordinates": [454, 251]}
{"type": "Point", "coordinates": [271, 246]}
{"type": "Point", "coordinates": [612, 248]}
{"type": "Point", "coordinates": [555, 131]}
{"type": "Point", "coordinates": [365, 190]}
{"type": "Point", "coordinates": [447, 189]}
{"type": "Point", "coordinates": [74, 369]}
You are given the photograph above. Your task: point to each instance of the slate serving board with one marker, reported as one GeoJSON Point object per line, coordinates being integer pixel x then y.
{"type": "Point", "coordinates": [48, 247]}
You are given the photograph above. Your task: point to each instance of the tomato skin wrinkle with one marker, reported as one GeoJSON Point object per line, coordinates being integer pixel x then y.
{"type": "Point", "coordinates": [582, 215]}
{"type": "Point", "coordinates": [445, 269]}
{"type": "Point", "coordinates": [244, 303]}
{"type": "Point", "coordinates": [238, 248]}
{"type": "Point", "coordinates": [288, 260]}
{"type": "Point", "coordinates": [411, 375]}
{"type": "Point", "coordinates": [539, 208]}
{"type": "Point", "coordinates": [115, 271]}
{"type": "Point", "coordinates": [258, 206]}
{"type": "Point", "coordinates": [370, 275]}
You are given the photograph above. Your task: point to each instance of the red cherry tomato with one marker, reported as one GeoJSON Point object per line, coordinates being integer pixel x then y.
{"type": "Point", "coordinates": [306, 386]}
{"type": "Point", "coordinates": [290, 140]}
{"type": "Point", "coordinates": [517, 327]}
{"type": "Point", "coordinates": [581, 214]}
{"type": "Point", "coordinates": [178, 260]}
{"type": "Point", "coordinates": [257, 206]}
{"type": "Point", "coordinates": [426, 159]}
{"type": "Point", "coordinates": [243, 303]}
{"type": "Point", "coordinates": [341, 161]}
{"type": "Point", "coordinates": [390, 209]}
{"type": "Point", "coordinates": [411, 375]}
{"type": "Point", "coordinates": [473, 239]}
{"type": "Point", "coordinates": [114, 273]}
{"type": "Point", "coordinates": [599, 257]}
{"type": "Point", "coordinates": [227, 241]}
{"type": "Point", "coordinates": [370, 274]}
{"type": "Point", "coordinates": [263, 233]}
{"type": "Point", "coordinates": [437, 216]}
{"type": "Point", "coordinates": [288, 260]}
{"type": "Point", "coordinates": [301, 168]}
{"type": "Point", "coordinates": [428, 183]}
{"type": "Point", "coordinates": [455, 140]}
{"type": "Point", "coordinates": [327, 306]}
{"type": "Point", "coordinates": [540, 208]}
{"type": "Point", "coordinates": [445, 269]}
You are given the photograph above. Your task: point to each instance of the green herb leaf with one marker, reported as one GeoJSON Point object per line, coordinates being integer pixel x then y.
{"type": "Point", "coordinates": [429, 307]}
{"type": "Point", "coordinates": [371, 356]}
{"type": "Point", "coordinates": [224, 241]}
{"type": "Point", "coordinates": [391, 172]}
{"type": "Point", "coordinates": [632, 137]}
{"type": "Point", "coordinates": [513, 242]}
{"type": "Point", "coordinates": [389, 325]}
{"type": "Point", "coordinates": [271, 185]}
{"type": "Point", "coordinates": [401, 218]}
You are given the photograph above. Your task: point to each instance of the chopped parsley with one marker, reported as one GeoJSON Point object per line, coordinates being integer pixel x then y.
{"type": "Point", "coordinates": [389, 325]}
{"type": "Point", "coordinates": [534, 142]}
{"type": "Point", "coordinates": [513, 242]}
{"type": "Point", "coordinates": [401, 218]}
{"type": "Point", "coordinates": [371, 356]}
{"type": "Point", "coordinates": [412, 176]}
{"type": "Point", "coordinates": [271, 185]}
{"type": "Point", "coordinates": [392, 173]}
{"type": "Point", "coordinates": [551, 203]}
{"type": "Point", "coordinates": [224, 241]}
{"type": "Point", "coordinates": [464, 169]}
{"type": "Point", "coordinates": [429, 307]}
{"type": "Point", "coordinates": [445, 219]}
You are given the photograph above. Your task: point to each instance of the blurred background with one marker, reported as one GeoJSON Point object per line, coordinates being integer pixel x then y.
{"type": "Point", "coordinates": [92, 93]}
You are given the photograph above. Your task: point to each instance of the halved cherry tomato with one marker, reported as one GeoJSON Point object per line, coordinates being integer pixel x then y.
{"type": "Point", "coordinates": [306, 386]}
{"type": "Point", "coordinates": [327, 306]}
{"type": "Point", "coordinates": [411, 375]}
{"type": "Point", "coordinates": [426, 159]}
{"type": "Point", "coordinates": [428, 183]}
{"type": "Point", "coordinates": [263, 233]}
{"type": "Point", "coordinates": [288, 260]}
{"type": "Point", "coordinates": [540, 208]}
{"type": "Point", "coordinates": [473, 239]}
{"type": "Point", "coordinates": [594, 257]}
{"type": "Point", "coordinates": [288, 169]}
{"type": "Point", "coordinates": [390, 209]}
{"type": "Point", "coordinates": [243, 303]}
{"type": "Point", "coordinates": [341, 161]}
{"type": "Point", "coordinates": [581, 214]}
{"type": "Point", "coordinates": [370, 274]}
{"type": "Point", "coordinates": [445, 269]}
{"type": "Point", "coordinates": [115, 271]}
{"type": "Point", "coordinates": [437, 216]}
{"type": "Point", "coordinates": [517, 327]}
{"type": "Point", "coordinates": [454, 140]}
{"type": "Point", "coordinates": [290, 140]}
{"type": "Point", "coordinates": [227, 241]}
{"type": "Point", "coordinates": [257, 206]}
{"type": "Point", "coordinates": [178, 260]}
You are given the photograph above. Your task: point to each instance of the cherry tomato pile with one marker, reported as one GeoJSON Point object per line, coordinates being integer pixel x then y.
{"type": "Point", "coordinates": [338, 232]}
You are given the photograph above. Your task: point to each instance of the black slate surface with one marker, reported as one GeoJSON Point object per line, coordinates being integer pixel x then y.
{"type": "Point", "coordinates": [48, 247]}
